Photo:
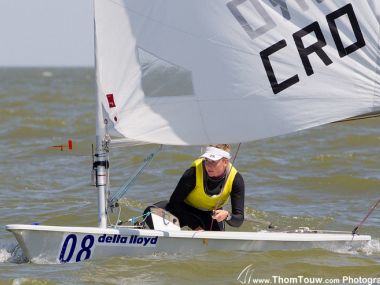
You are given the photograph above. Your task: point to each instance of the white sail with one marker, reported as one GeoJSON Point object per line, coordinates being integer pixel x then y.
{"type": "Point", "coordinates": [209, 71]}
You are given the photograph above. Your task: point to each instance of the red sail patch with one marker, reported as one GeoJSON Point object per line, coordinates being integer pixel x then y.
{"type": "Point", "coordinates": [111, 101]}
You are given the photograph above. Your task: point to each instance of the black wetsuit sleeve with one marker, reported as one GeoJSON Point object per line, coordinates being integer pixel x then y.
{"type": "Point", "coordinates": [237, 201]}
{"type": "Point", "coordinates": [185, 185]}
{"type": "Point", "coordinates": [176, 204]}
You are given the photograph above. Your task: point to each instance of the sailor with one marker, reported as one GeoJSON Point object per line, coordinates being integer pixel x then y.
{"type": "Point", "coordinates": [205, 187]}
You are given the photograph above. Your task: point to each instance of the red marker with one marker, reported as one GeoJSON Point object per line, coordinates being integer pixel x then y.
{"type": "Point", "coordinates": [69, 145]}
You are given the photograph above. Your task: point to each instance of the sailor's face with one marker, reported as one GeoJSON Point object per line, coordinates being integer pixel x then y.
{"type": "Point", "coordinates": [216, 168]}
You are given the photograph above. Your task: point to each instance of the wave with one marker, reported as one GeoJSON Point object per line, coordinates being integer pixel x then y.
{"type": "Point", "coordinates": [371, 247]}
{"type": "Point", "coordinates": [368, 248]}
{"type": "Point", "coordinates": [5, 255]}
{"type": "Point", "coordinates": [10, 252]}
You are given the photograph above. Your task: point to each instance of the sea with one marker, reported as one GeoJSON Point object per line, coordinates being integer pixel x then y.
{"type": "Point", "coordinates": [323, 178]}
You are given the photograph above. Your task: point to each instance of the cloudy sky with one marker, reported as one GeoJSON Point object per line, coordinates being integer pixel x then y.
{"type": "Point", "coordinates": [46, 33]}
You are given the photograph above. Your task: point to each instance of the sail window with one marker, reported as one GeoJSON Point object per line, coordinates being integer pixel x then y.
{"type": "Point", "coordinates": [161, 78]}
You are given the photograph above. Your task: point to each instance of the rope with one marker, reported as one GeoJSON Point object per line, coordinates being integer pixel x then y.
{"type": "Point", "coordinates": [133, 220]}
{"type": "Point", "coordinates": [123, 190]}
{"type": "Point", "coordinates": [354, 231]}
{"type": "Point", "coordinates": [236, 153]}
{"type": "Point", "coordinates": [118, 221]}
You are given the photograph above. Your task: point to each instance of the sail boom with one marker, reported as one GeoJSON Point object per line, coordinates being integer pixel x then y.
{"type": "Point", "coordinates": [370, 115]}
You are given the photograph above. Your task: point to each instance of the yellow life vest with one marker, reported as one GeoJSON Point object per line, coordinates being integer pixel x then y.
{"type": "Point", "coordinates": [198, 197]}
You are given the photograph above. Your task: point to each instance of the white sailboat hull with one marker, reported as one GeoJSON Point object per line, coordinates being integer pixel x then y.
{"type": "Point", "coordinates": [73, 244]}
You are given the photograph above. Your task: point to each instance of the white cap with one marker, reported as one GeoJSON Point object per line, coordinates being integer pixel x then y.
{"type": "Point", "coordinates": [214, 153]}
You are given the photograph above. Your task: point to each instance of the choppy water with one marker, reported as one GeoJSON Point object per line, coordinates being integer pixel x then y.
{"type": "Point", "coordinates": [322, 178]}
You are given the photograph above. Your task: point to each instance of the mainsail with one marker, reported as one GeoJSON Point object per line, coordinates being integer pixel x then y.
{"type": "Point", "coordinates": [196, 72]}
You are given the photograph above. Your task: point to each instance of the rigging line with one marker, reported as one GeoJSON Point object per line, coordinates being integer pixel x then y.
{"type": "Point", "coordinates": [110, 222]}
{"type": "Point", "coordinates": [354, 231]}
{"type": "Point", "coordinates": [113, 200]}
{"type": "Point", "coordinates": [236, 153]}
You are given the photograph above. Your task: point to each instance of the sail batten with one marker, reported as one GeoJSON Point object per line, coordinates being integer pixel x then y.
{"type": "Point", "coordinates": [198, 72]}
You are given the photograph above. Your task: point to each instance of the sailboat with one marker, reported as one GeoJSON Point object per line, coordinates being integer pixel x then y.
{"type": "Point", "coordinates": [199, 72]}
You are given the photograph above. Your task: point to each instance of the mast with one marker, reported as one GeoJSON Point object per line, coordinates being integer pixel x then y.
{"type": "Point", "coordinates": [100, 166]}
{"type": "Point", "coordinates": [101, 163]}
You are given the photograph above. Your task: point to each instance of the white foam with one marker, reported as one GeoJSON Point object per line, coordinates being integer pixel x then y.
{"type": "Point", "coordinates": [42, 260]}
{"type": "Point", "coordinates": [367, 248]}
{"type": "Point", "coordinates": [371, 247]}
{"type": "Point", "coordinates": [5, 255]}
{"type": "Point", "coordinates": [47, 74]}
{"type": "Point", "coordinates": [6, 250]}
{"type": "Point", "coordinates": [11, 252]}
{"type": "Point", "coordinates": [19, 281]}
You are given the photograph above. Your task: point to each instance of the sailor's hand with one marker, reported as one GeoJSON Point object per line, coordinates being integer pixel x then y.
{"type": "Point", "coordinates": [220, 215]}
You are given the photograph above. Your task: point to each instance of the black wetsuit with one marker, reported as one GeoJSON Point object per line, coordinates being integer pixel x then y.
{"type": "Point", "coordinates": [192, 217]}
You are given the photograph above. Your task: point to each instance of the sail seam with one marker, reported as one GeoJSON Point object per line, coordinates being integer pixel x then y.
{"type": "Point", "coordinates": [202, 119]}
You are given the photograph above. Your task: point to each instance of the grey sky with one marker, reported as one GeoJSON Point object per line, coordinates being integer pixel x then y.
{"type": "Point", "coordinates": [46, 33]}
